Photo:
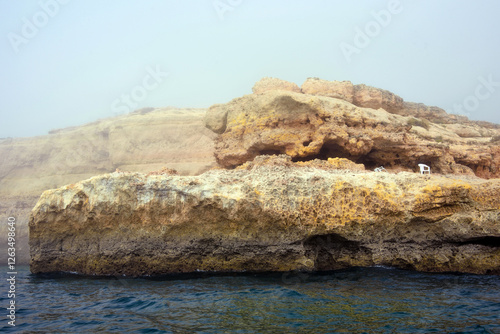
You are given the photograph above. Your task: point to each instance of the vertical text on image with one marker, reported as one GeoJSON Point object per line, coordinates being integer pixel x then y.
{"type": "Point", "coordinates": [11, 273]}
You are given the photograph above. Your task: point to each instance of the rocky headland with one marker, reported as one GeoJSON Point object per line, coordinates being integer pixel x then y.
{"type": "Point", "coordinates": [364, 124]}
{"type": "Point", "coordinates": [295, 190]}
{"type": "Point", "coordinates": [143, 141]}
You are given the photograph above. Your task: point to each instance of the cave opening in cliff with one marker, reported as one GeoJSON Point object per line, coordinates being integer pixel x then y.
{"type": "Point", "coordinates": [327, 250]}
{"type": "Point", "coordinates": [332, 149]}
{"type": "Point", "coordinates": [489, 241]}
{"type": "Point", "coordinates": [368, 162]}
{"type": "Point", "coordinates": [375, 158]}
{"type": "Point", "coordinates": [329, 149]}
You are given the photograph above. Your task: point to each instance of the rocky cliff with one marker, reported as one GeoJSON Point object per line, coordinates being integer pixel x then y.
{"type": "Point", "coordinates": [295, 190]}
{"type": "Point", "coordinates": [143, 141]}
{"type": "Point", "coordinates": [268, 215]}
{"type": "Point", "coordinates": [368, 125]}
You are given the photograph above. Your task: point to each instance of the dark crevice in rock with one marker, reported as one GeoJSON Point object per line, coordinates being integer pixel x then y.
{"type": "Point", "coordinates": [304, 159]}
{"type": "Point", "coordinates": [333, 149]}
{"type": "Point", "coordinates": [270, 152]}
{"type": "Point", "coordinates": [376, 158]}
{"type": "Point", "coordinates": [483, 241]}
{"type": "Point", "coordinates": [388, 156]}
{"type": "Point", "coordinates": [385, 153]}
{"type": "Point", "coordinates": [330, 251]}
{"type": "Point", "coordinates": [369, 163]}
{"type": "Point", "coordinates": [330, 149]}
{"type": "Point", "coordinates": [266, 150]}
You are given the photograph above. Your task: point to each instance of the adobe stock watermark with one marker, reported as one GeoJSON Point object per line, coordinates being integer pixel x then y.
{"type": "Point", "coordinates": [363, 37]}
{"type": "Point", "coordinates": [224, 6]}
{"type": "Point", "coordinates": [11, 271]}
{"type": "Point", "coordinates": [128, 102]}
{"type": "Point", "coordinates": [484, 90]}
{"type": "Point", "coordinates": [31, 26]}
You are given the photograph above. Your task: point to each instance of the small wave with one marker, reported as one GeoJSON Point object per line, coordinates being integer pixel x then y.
{"type": "Point", "coordinates": [378, 299]}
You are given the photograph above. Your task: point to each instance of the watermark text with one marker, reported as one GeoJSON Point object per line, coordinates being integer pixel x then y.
{"type": "Point", "coordinates": [128, 102]}
{"type": "Point", "coordinates": [483, 91]}
{"type": "Point", "coordinates": [224, 6]}
{"type": "Point", "coordinates": [31, 26]}
{"type": "Point", "coordinates": [12, 273]}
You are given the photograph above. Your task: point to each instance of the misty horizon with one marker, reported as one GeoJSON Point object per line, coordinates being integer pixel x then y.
{"type": "Point", "coordinates": [68, 63]}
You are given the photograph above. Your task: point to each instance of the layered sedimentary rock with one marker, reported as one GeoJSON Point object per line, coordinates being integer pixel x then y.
{"type": "Point", "coordinates": [268, 84]}
{"type": "Point", "coordinates": [269, 215]}
{"type": "Point", "coordinates": [343, 90]}
{"type": "Point", "coordinates": [316, 206]}
{"type": "Point", "coordinates": [375, 98]}
{"type": "Point", "coordinates": [377, 128]}
{"type": "Point", "coordinates": [143, 141]}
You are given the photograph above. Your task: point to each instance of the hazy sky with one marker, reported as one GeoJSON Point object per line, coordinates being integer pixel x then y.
{"type": "Point", "coordinates": [69, 62]}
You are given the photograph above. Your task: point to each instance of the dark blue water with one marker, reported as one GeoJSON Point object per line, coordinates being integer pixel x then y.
{"type": "Point", "coordinates": [369, 300]}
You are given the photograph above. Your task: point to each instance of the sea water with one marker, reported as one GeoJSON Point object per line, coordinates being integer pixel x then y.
{"type": "Point", "coordinates": [361, 300]}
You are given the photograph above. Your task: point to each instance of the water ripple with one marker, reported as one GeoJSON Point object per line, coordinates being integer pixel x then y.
{"type": "Point", "coordinates": [380, 300]}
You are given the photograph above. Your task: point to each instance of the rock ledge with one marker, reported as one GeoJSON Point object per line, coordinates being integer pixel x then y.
{"type": "Point", "coordinates": [273, 215]}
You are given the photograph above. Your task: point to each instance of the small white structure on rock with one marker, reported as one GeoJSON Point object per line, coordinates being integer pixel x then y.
{"type": "Point", "coordinates": [424, 169]}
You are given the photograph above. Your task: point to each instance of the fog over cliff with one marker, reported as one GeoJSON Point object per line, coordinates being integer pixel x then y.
{"type": "Point", "coordinates": [67, 63]}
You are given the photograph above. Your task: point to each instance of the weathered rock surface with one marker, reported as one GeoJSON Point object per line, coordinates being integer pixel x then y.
{"type": "Point", "coordinates": [285, 160]}
{"type": "Point", "coordinates": [268, 84]}
{"type": "Point", "coordinates": [433, 114]}
{"type": "Point", "coordinates": [378, 128]}
{"type": "Point", "coordinates": [270, 216]}
{"type": "Point", "coordinates": [375, 98]}
{"type": "Point", "coordinates": [343, 90]}
{"type": "Point", "coordinates": [143, 141]}
{"type": "Point", "coordinates": [317, 206]}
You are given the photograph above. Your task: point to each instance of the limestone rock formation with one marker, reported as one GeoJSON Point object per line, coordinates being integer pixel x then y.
{"type": "Point", "coordinates": [375, 98]}
{"type": "Point", "coordinates": [144, 141]}
{"type": "Point", "coordinates": [301, 126]}
{"type": "Point", "coordinates": [268, 84]}
{"type": "Point", "coordinates": [272, 216]}
{"type": "Point", "coordinates": [433, 114]}
{"type": "Point", "coordinates": [377, 129]}
{"type": "Point", "coordinates": [343, 90]}
{"type": "Point", "coordinates": [285, 160]}
{"type": "Point", "coordinates": [299, 193]}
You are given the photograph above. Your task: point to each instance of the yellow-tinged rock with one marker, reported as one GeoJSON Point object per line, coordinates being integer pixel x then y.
{"type": "Point", "coordinates": [268, 215]}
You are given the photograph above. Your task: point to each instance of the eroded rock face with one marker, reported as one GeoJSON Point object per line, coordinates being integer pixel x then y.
{"type": "Point", "coordinates": [268, 84]}
{"type": "Point", "coordinates": [272, 216]}
{"type": "Point", "coordinates": [433, 114]}
{"type": "Point", "coordinates": [375, 98]}
{"type": "Point", "coordinates": [377, 129]}
{"type": "Point", "coordinates": [343, 90]}
{"type": "Point", "coordinates": [303, 127]}
{"type": "Point", "coordinates": [145, 140]}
